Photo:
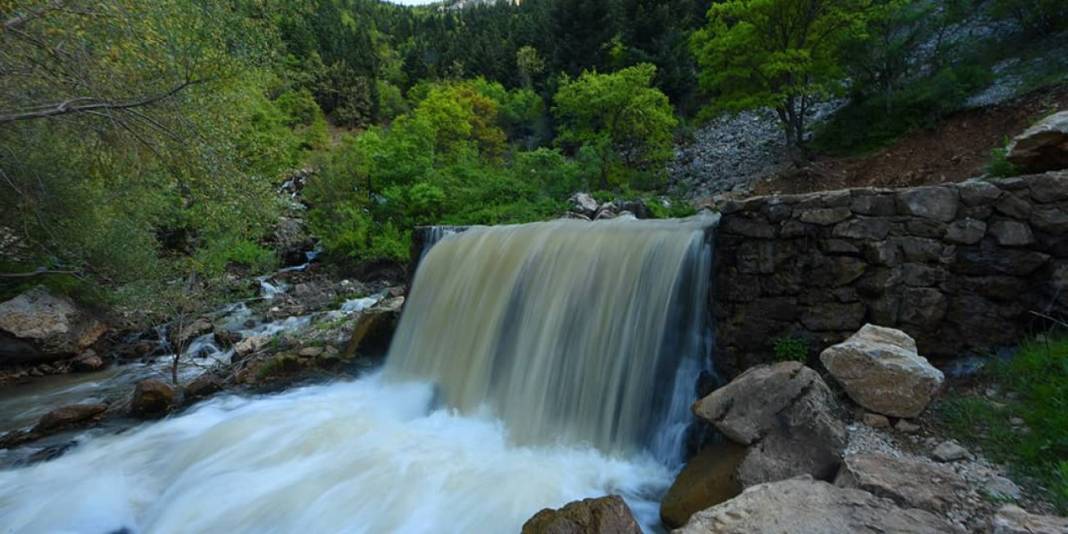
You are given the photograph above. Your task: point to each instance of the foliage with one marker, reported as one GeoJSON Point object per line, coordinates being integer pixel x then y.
{"type": "Point", "coordinates": [172, 167]}
{"type": "Point", "coordinates": [623, 119]}
{"type": "Point", "coordinates": [781, 54]}
{"type": "Point", "coordinates": [441, 162]}
{"type": "Point", "coordinates": [1037, 379]}
{"type": "Point", "coordinates": [999, 165]}
{"type": "Point", "coordinates": [790, 348]}
{"type": "Point", "coordinates": [1036, 16]}
{"type": "Point", "coordinates": [866, 124]}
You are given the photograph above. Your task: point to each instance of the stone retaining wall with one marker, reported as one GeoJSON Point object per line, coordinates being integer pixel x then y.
{"type": "Point", "coordinates": [960, 267]}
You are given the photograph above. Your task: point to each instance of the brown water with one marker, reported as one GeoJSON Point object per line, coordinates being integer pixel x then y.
{"type": "Point", "coordinates": [568, 331]}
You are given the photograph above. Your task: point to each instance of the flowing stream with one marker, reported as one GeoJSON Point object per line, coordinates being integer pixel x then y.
{"type": "Point", "coordinates": [534, 365]}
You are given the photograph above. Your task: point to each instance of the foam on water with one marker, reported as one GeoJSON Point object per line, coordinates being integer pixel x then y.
{"type": "Point", "coordinates": [359, 456]}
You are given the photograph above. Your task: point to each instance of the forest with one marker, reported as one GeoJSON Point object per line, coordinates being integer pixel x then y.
{"type": "Point", "coordinates": [142, 142]}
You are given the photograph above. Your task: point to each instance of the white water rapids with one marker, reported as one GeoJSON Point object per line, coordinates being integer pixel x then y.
{"type": "Point", "coordinates": [409, 453]}
{"type": "Point", "coordinates": [359, 456]}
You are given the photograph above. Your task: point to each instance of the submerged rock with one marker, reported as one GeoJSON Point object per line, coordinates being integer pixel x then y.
{"type": "Point", "coordinates": [708, 479]}
{"type": "Point", "coordinates": [203, 386]}
{"type": "Point", "coordinates": [880, 370]}
{"type": "Point", "coordinates": [604, 515]}
{"type": "Point", "coordinates": [68, 416]}
{"type": "Point", "coordinates": [152, 398]}
{"type": "Point", "coordinates": [806, 505]}
{"type": "Point", "coordinates": [1042, 147]}
{"type": "Point", "coordinates": [37, 326]}
{"type": "Point", "coordinates": [787, 416]}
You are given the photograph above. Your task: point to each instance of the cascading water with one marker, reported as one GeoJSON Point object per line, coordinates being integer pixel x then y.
{"type": "Point", "coordinates": [520, 347]}
{"type": "Point", "coordinates": [569, 331]}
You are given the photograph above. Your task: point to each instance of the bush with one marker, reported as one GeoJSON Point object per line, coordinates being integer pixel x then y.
{"type": "Point", "coordinates": [213, 258]}
{"type": "Point", "coordinates": [999, 165]}
{"type": "Point", "coordinates": [790, 348]}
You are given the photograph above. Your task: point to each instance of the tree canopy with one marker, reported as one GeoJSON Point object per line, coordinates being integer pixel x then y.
{"type": "Point", "coordinates": [781, 54]}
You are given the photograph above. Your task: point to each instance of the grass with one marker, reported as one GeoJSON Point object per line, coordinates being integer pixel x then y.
{"type": "Point", "coordinates": [1033, 388]}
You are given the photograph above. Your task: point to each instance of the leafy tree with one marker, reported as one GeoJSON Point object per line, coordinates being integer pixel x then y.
{"type": "Point", "coordinates": [780, 54]}
{"type": "Point", "coordinates": [620, 116]}
{"type": "Point", "coordinates": [139, 139]}
{"type": "Point", "coordinates": [530, 65]}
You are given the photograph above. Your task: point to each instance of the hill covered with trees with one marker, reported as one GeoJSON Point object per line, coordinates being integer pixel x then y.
{"type": "Point", "coordinates": [143, 142]}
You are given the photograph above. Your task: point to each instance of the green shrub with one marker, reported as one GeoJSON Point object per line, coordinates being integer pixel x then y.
{"type": "Point", "coordinates": [213, 258]}
{"type": "Point", "coordinates": [999, 165]}
{"type": "Point", "coordinates": [790, 348]}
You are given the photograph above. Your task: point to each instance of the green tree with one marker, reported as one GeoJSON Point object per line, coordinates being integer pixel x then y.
{"type": "Point", "coordinates": [621, 116]}
{"type": "Point", "coordinates": [780, 54]}
{"type": "Point", "coordinates": [139, 138]}
{"type": "Point", "coordinates": [530, 65]}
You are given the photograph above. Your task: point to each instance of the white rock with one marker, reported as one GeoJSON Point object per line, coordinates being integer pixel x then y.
{"type": "Point", "coordinates": [881, 371]}
{"type": "Point", "coordinates": [1012, 519]}
{"type": "Point", "coordinates": [949, 451]}
{"type": "Point", "coordinates": [810, 506]}
{"type": "Point", "coordinates": [251, 344]}
{"type": "Point", "coordinates": [583, 203]}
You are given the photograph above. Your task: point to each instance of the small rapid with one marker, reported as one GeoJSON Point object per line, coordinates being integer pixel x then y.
{"type": "Point", "coordinates": [360, 456]}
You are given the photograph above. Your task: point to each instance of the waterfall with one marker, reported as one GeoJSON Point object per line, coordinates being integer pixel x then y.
{"type": "Point", "coordinates": [534, 365]}
{"type": "Point", "coordinates": [569, 331]}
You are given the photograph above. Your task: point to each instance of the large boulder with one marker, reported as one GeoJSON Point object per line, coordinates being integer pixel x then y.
{"type": "Point", "coordinates": [908, 481]}
{"type": "Point", "coordinates": [603, 515]}
{"type": "Point", "coordinates": [1042, 147]}
{"type": "Point", "coordinates": [37, 326]}
{"type": "Point", "coordinates": [583, 204]}
{"type": "Point", "coordinates": [374, 329]}
{"type": "Point", "coordinates": [788, 418]}
{"type": "Point", "coordinates": [152, 398]}
{"type": "Point", "coordinates": [1012, 519]}
{"type": "Point", "coordinates": [806, 505]}
{"type": "Point", "coordinates": [708, 479]}
{"type": "Point", "coordinates": [881, 371]}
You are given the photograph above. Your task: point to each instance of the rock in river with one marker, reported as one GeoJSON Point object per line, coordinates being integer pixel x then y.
{"type": "Point", "coordinates": [152, 398]}
{"type": "Point", "coordinates": [604, 515]}
{"type": "Point", "coordinates": [788, 418]}
{"type": "Point", "coordinates": [37, 326]}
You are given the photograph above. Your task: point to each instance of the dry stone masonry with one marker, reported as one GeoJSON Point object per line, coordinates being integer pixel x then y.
{"type": "Point", "coordinates": [959, 267]}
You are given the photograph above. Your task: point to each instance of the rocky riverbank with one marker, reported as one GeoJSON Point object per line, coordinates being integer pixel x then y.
{"type": "Point", "coordinates": [852, 450]}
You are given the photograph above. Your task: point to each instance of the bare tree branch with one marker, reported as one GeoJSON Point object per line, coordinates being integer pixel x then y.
{"type": "Point", "coordinates": [18, 21]}
{"type": "Point", "coordinates": [75, 105]}
{"type": "Point", "coordinates": [39, 272]}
